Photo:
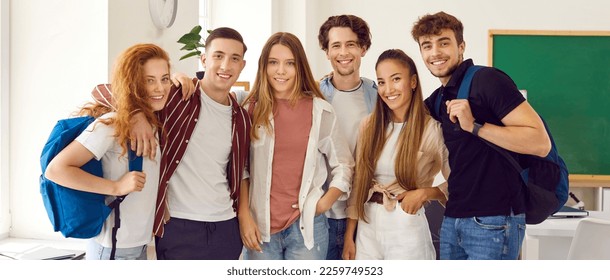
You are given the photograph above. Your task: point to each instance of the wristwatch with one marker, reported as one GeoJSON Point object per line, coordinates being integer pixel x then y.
{"type": "Point", "coordinates": [475, 130]}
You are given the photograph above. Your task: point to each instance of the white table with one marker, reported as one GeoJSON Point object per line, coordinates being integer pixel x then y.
{"type": "Point", "coordinates": [551, 239]}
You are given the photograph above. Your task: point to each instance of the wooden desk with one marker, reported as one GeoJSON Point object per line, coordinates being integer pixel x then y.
{"type": "Point", "coordinates": [551, 239]}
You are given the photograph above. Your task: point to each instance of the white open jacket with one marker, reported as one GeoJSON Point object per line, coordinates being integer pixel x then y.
{"type": "Point", "coordinates": [325, 143]}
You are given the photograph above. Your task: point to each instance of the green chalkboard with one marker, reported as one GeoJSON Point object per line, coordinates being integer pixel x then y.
{"type": "Point", "coordinates": [567, 79]}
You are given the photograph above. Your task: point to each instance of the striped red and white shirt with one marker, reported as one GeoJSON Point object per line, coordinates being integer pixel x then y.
{"type": "Point", "coordinates": [179, 119]}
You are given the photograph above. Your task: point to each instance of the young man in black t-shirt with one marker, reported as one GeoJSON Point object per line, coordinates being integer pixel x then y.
{"type": "Point", "coordinates": [484, 218]}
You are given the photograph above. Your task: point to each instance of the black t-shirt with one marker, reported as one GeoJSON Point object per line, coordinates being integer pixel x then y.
{"type": "Point", "coordinates": [481, 183]}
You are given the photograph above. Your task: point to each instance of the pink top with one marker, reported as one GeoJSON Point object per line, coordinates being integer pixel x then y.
{"type": "Point", "coordinates": [291, 127]}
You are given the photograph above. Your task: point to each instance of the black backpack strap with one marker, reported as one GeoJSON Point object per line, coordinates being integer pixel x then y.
{"type": "Point", "coordinates": [117, 222]}
{"type": "Point", "coordinates": [437, 105]}
{"type": "Point", "coordinates": [464, 93]}
{"type": "Point", "coordinates": [135, 164]}
{"type": "Point", "coordinates": [511, 160]}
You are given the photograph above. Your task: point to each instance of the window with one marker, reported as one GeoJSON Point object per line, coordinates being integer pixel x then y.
{"type": "Point", "coordinates": [204, 14]}
{"type": "Point", "coordinates": [205, 20]}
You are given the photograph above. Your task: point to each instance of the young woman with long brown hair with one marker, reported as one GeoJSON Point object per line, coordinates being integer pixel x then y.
{"type": "Point", "coordinates": [294, 136]}
{"type": "Point", "coordinates": [400, 150]}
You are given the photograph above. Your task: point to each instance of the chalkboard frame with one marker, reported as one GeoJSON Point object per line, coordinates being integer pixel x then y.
{"type": "Point", "coordinates": [583, 180]}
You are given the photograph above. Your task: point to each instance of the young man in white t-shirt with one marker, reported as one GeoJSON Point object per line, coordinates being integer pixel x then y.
{"type": "Point", "coordinates": [345, 39]}
{"type": "Point", "coordinates": [203, 159]}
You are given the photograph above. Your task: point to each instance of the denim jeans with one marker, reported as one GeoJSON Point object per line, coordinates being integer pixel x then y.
{"type": "Point", "coordinates": [96, 251]}
{"type": "Point", "coordinates": [288, 244]}
{"type": "Point", "coordinates": [482, 238]}
{"type": "Point", "coordinates": [336, 231]}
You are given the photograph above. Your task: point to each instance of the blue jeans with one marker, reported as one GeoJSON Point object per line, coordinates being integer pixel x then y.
{"type": "Point", "coordinates": [288, 244]}
{"type": "Point", "coordinates": [96, 251]}
{"type": "Point", "coordinates": [336, 232]}
{"type": "Point", "coordinates": [482, 238]}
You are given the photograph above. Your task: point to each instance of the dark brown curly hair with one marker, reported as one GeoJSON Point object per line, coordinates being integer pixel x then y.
{"type": "Point", "coordinates": [356, 24]}
{"type": "Point", "coordinates": [434, 25]}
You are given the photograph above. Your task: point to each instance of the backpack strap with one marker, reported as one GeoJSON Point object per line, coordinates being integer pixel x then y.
{"type": "Point", "coordinates": [464, 93]}
{"type": "Point", "coordinates": [464, 90]}
{"type": "Point", "coordinates": [437, 105]}
{"type": "Point", "coordinates": [511, 160]}
{"type": "Point", "coordinates": [135, 164]}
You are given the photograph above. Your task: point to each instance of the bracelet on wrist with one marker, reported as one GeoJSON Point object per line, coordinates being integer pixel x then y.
{"type": "Point", "coordinates": [475, 130]}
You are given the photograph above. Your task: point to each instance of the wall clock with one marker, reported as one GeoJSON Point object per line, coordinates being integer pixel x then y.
{"type": "Point", "coordinates": [163, 12]}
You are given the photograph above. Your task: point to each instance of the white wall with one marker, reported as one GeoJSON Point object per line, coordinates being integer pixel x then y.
{"type": "Point", "coordinates": [129, 23]}
{"type": "Point", "coordinates": [60, 50]}
{"type": "Point", "coordinates": [252, 19]}
{"type": "Point", "coordinates": [56, 59]}
{"type": "Point", "coordinates": [5, 220]}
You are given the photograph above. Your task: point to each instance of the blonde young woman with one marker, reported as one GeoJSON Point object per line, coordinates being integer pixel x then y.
{"type": "Point", "coordinates": [294, 135]}
{"type": "Point", "coordinates": [141, 83]}
{"type": "Point", "coordinates": [400, 150]}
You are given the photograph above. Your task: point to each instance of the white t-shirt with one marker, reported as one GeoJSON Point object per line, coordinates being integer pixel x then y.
{"type": "Point", "coordinates": [138, 208]}
{"type": "Point", "coordinates": [350, 108]}
{"type": "Point", "coordinates": [199, 189]}
{"type": "Point", "coordinates": [384, 172]}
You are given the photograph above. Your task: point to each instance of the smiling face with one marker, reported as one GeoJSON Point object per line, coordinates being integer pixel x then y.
{"type": "Point", "coordinates": [223, 62]}
{"type": "Point", "coordinates": [395, 87]}
{"type": "Point", "coordinates": [281, 71]}
{"type": "Point", "coordinates": [441, 53]}
{"type": "Point", "coordinates": [157, 80]}
{"type": "Point", "coordinates": [344, 52]}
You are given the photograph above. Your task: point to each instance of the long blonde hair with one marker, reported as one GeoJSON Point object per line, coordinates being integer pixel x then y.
{"type": "Point", "coordinates": [262, 93]}
{"type": "Point", "coordinates": [128, 91]}
{"type": "Point", "coordinates": [374, 136]}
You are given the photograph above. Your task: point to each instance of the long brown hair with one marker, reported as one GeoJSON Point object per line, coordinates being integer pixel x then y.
{"type": "Point", "coordinates": [262, 92]}
{"type": "Point", "coordinates": [374, 135]}
{"type": "Point", "coordinates": [128, 91]}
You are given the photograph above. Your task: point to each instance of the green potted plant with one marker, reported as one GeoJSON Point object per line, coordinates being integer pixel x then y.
{"type": "Point", "coordinates": [192, 42]}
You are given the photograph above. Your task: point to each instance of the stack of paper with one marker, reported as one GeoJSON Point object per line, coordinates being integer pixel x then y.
{"type": "Point", "coordinates": [18, 251]}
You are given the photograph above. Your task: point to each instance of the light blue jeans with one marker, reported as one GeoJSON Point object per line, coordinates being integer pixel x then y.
{"type": "Point", "coordinates": [96, 251]}
{"type": "Point", "coordinates": [482, 238]}
{"type": "Point", "coordinates": [288, 244]}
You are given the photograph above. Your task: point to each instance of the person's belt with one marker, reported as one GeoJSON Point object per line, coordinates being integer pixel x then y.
{"type": "Point", "coordinates": [377, 197]}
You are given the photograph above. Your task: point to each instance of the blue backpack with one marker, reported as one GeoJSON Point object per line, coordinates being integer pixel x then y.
{"type": "Point", "coordinates": [75, 213]}
{"type": "Point", "coordinates": [545, 178]}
